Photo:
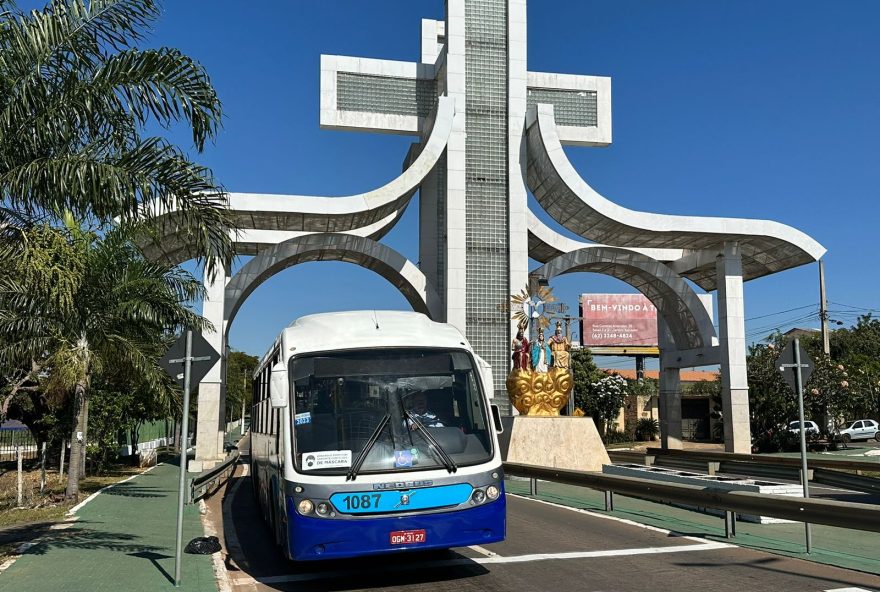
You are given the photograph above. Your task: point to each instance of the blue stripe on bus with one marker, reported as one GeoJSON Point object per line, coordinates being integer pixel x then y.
{"type": "Point", "coordinates": [380, 502]}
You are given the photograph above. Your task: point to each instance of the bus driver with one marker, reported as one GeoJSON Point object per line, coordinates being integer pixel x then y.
{"type": "Point", "coordinates": [418, 407]}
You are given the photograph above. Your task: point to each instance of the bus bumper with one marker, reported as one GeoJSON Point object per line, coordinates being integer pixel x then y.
{"type": "Point", "coordinates": [322, 538]}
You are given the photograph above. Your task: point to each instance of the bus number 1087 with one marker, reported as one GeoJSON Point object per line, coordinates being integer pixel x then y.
{"type": "Point", "coordinates": [361, 502]}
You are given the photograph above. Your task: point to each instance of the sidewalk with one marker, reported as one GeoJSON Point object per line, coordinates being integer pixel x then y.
{"type": "Point", "coordinates": [851, 549]}
{"type": "Point", "coordinates": [123, 540]}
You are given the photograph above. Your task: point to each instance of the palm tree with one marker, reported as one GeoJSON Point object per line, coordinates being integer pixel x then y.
{"type": "Point", "coordinates": [75, 96]}
{"type": "Point", "coordinates": [114, 316]}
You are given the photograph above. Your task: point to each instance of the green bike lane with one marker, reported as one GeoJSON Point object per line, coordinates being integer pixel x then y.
{"type": "Point", "coordinates": [123, 540]}
{"type": "Point", "coordinates": [840, 547]}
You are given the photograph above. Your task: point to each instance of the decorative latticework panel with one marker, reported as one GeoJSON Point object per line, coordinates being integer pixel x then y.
{"type": "Point", "coordinates": [385, 94]}
{"type": "Point", "coordinates": [570, 107]}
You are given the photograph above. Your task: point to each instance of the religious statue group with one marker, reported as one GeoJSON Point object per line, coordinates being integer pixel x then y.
{"type": "Point", "coordinates": [540, 381]}
{"type": "Point", "coordinates": [542, 355]}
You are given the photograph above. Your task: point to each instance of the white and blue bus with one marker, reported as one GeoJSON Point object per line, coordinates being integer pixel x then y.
{"type": "Point", "coordinates": [372, 432]}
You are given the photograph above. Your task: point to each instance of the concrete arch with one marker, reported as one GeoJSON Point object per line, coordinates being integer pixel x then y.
{"type": "Point", "coordinates": [362, 251]}
{"type": "Point", "coordinates": [766, 246]}
{"type": "Point", "coordinates": [678, 305]}
{"type": "Point", "coordinates": [372, 213]}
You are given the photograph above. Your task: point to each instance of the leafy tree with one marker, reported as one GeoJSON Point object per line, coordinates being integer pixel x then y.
{"type": "Point", "coordinates": [75, 96]}
{"type": "Point", "coordinates": [240, 369]}
{"type": "Point", "coordinates": [772, 402]}
{"type": "Point", "coordinates": [115, 320]}
{"type": "Point", "coordinates": [857, 348]}
{"type": "Point", "coordinates": [584, 372]}
{"type": "Point", "coordinates": [119, 407]}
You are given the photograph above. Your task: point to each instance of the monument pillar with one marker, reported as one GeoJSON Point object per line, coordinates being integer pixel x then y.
{"type": "Point", "coordinates": [211, 417]}
{"type": "Point", "coordinates": [669, 407]}
{"type": "Point", "coordinates": [732, 341]}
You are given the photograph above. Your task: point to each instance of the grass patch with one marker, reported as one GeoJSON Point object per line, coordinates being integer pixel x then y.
{"type": "Point", "coordinates": [634, 444]}
{"type": "Point", "coordinates": [50, 506]}
{"type": "Point", "coordinates": [17, 516]}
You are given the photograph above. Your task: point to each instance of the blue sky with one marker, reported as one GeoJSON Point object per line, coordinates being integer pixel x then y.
{"type": "Point", "coordinates": [757, 109]}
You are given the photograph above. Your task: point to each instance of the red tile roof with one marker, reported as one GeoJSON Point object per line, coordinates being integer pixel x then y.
{"type": "Point", "coordinates": [686, 375]}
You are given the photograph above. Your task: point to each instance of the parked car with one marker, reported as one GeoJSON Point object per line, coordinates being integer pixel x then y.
{"type": "Point", "coordinates": [809, 426]}
{"type": "Point", "coordinates": [861, 429]}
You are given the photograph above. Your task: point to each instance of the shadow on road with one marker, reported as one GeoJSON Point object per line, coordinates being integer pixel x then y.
{"type": "Point", "coordinates": [79, 537]}
{"type": "Point", "coordinates": [154, 558]}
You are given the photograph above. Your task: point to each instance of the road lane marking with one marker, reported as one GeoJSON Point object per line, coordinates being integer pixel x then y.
{"type": "Point", "coordinates": [483, 551]}
{"type": "Point", "coordinates": [849, 590]}
{"type": "Point", "coordinates": [497, 559]}
{"type": "Point", "coordinates": [606, 553]}
{"type": "Point", "coordinates": [615, 519]}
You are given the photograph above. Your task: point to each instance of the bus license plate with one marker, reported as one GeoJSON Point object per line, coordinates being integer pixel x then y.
{"type": "Point", "coordinates": [407, 537]}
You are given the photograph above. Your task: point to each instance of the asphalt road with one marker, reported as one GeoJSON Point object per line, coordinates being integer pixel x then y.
{"type": "Point", "coordinates": [547, 548]}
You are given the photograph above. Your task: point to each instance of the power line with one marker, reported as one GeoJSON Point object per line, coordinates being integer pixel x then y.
{"type": "Point", "coordinates": [773, 314]}
{"type": "Point", "coordinates": [783, 322]}
{"type": "Point", "coordinates": [855, 307]}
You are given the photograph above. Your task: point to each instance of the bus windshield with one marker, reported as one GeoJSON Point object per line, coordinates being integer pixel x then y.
{"type": "Point", "coordinates": [417, 409]}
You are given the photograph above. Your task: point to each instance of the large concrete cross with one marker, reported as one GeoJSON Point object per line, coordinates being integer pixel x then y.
{"type": "Point", "coordinates": [489, 131]}
{"type": "Point", "coordinates": [473, 216]}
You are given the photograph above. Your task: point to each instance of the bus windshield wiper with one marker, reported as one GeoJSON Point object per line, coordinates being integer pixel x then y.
{"type": "Point", "coordinates": [447, 460]}
{"type": "Point", "coordinates": [359, 461]}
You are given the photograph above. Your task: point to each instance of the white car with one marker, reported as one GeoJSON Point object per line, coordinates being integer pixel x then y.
{"type": "Point", "coordinates": [861, 429]}
{"type": "Point", "coordinates": [809, 426]}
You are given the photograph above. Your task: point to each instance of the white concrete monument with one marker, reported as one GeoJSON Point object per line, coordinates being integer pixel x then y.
{"type": "Point", "coordinates": [488, 131]}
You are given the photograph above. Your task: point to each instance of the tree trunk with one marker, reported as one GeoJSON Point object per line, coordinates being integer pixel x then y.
{"type": "Point", "coordinates": [85, 431]}
{"type": "Point", "coordinates": [77, 441]}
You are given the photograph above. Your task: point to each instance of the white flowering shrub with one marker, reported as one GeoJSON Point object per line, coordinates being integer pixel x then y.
{"type": "Point", "coordinates": [604, 398]}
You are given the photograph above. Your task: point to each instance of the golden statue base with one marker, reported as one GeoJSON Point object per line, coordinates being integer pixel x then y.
{"type": "Point", "coordinates": [539, 393]}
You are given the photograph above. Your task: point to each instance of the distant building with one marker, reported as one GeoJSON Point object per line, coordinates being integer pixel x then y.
{"type": "Point", "coordinates": [696, 403]}
{"type": "Point", "coordinates": [800, 332]}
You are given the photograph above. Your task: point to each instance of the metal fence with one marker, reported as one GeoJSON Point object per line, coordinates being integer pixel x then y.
{"type": "Point", "coordinates": [12, 438]}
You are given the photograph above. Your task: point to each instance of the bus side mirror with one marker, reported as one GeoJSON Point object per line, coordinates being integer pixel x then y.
{"type": "Point", "coordinates": [496, 417]}
{"type": "Point", "coordinates": [278, 386]}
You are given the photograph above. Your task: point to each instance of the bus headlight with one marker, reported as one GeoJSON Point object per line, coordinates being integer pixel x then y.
{"type": "Point", "coordinates": [479, 496]}
{"type": "Point", "coordinates": [305, 507]}
{"type": "Point", "coordinates": [323, 509]}
{"type": "Point", "coordinates": [492, 492]}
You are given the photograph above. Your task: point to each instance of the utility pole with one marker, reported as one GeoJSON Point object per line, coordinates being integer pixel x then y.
{"type": "Point", "coordinates": [640, 367]}
{"type": "Point", "coordinates": [823, 309]}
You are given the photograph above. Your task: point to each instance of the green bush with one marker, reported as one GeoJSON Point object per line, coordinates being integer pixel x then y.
{"type": "Point", "coordinates": [614, 436]}
{"type": "Point", "coordinates": [647, 429]}
{"type": "Point", "coordinates": [780, 440]}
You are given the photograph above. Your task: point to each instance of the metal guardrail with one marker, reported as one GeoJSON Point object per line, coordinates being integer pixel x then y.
{"type": "Point", "coordinates": [847, 481]}
{"type": "Point", "coordinates": [814, 511]}
{"type": "Point", "coordinates": [813, 463]}
{"type": "Point", "coordinates": [766, 467]}
{"type": "Point", "coordinates": [211, 480]}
